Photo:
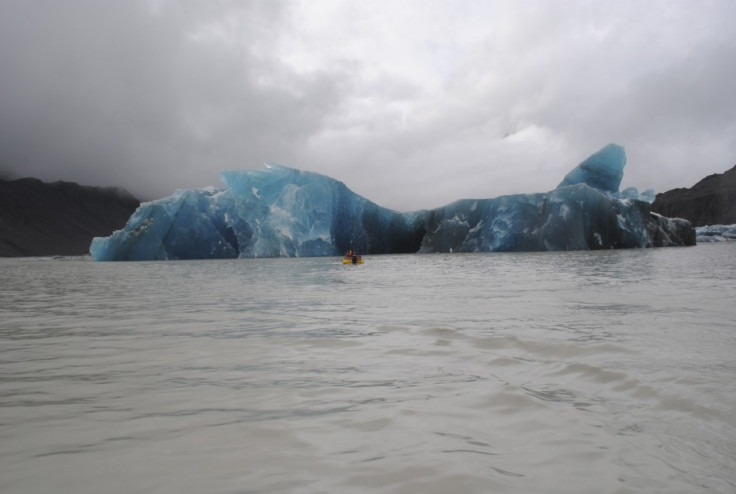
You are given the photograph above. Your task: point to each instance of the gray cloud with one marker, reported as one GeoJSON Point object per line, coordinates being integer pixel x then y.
{"type": "Point", "coordinates": [412, 106]}
{"type": "Point", "coordinates": [110, 92]}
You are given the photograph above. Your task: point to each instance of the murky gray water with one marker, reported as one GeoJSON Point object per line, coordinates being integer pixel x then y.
{"type": "Point", "coordinates": [606, 372]}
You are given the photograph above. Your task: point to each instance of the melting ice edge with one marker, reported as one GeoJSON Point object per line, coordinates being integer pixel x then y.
{"type": "Point", "coordinates": [283, 212]}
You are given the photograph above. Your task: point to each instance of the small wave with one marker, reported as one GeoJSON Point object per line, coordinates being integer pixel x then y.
{"type": "Point", "coordinates": [561, 350]}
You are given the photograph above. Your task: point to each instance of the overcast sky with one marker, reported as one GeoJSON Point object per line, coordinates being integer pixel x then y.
{"type": "Point", "coordinates": [411, 103]}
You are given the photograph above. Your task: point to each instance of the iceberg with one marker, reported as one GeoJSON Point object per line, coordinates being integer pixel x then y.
{"type": "Point", "coordinates": [279, 211]}
{"type": "Point", "coordinates": [273, 212]}
{"type": "Point", "coordinates": [716, 233]}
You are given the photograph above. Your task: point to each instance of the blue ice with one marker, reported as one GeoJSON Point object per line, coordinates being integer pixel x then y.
{"type": "Point", "coordinates": [279, 211]}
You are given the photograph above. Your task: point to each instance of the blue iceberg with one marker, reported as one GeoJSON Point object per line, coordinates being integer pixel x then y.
{"type": "Point", "coordinates": [283, 212]}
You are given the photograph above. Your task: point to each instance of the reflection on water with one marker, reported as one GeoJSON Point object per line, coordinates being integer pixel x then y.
{"type": "Point", "coordinates": [584, 372]}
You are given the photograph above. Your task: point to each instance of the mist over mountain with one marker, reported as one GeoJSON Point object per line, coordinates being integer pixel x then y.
{"type": "Point", "coordinates": [59, 218]}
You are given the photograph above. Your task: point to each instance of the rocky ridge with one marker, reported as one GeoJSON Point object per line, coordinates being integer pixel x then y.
{"type": "Point", "coordinates": [59, 218]}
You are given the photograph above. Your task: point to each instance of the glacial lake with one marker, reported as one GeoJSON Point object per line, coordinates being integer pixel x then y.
{"type": "Point", "coordinates": [576, 372]}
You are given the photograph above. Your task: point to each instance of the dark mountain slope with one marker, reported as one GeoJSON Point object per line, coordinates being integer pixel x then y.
{"type": "Point", "coordinates": [712, 201]}
{"type": "Point", "coordinates": [60, 218]}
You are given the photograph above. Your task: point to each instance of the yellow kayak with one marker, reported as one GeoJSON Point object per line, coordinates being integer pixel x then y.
{"type": "Point", "coordinates": [356, 259]}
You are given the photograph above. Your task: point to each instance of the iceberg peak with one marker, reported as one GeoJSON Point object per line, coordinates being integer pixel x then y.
{"type": "Point", "coordinates": [270, 165]}
{"type": "Point", "coordinates": [602, 170]}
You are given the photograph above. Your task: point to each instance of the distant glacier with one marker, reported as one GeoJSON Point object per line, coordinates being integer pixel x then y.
{"type": "Point", "coordinates": [283, 212]}
{"type": "Point", "coordinates": [716, 233]}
